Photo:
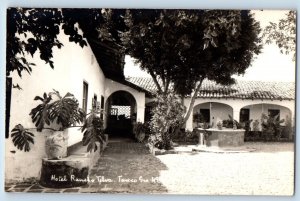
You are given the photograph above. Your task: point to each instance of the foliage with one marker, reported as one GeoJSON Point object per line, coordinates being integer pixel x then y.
{"type": "Point", "coordinates": [256, 125]}
{"type": "Point", "coordinates": [22, 138]}
{"type": "Point", "coordinates": [181, 48]}
{"type": "Point", "coordinates": [283, 34]}
{"type": "Point", "coordinates": [167, 114]}
{"type": "Point", "coordinates": [228, 123]}
{"type": "Point", "coordinates": [93, 131]}
{"type": "Point", "coordinates": [185, 136]}
{"type": "Point", "coordinates": [271, 126]}
{"type": "Point", "coordinates": [220, 125]}
{"type": "Point", "coordinates": [200, 120]}
{"type": "Point", "coordinates": [139, 131]}
{"type": "Point", "coordinates": [288, 129]}
{"type": "Point", "coordinates": [65, 112]}
{"type": "Point", "coordinates": [198, 117]}
{"type": "Point", "coordinates": [26, 33]}
{"type": "Point", "coordinates": [40, 114]}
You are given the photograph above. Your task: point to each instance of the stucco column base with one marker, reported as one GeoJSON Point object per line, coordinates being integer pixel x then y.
{"type": "Point", "coordinates": [67, 172]}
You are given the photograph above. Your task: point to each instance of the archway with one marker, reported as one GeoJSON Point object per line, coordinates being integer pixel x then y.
{"type": "Point", "coordinates": [255, 111]}
{"type": "Point", "coordinates": [210, 113]}
{"type": "Point", "coordinates": [121, 113]}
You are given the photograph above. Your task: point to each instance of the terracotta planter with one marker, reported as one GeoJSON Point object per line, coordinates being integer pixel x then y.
{"type": "Point", "coordinates": [56, 145]}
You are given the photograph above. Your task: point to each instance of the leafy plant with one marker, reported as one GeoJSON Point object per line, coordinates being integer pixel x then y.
{"type": "Point", "coordinates": [288, 129]}
{"type": "Point", "coordinates": [22, 138]}
{"type": "Point", "coordinates": [167, 114]}
{"type": "Point", "coordinates": [199, 118]}
{"type": "Point", "coordinates": [92, 131]}
{"type": "Point", "coordinates": [229, 123]}
{"type": "Point", "coordinates": [271, 126]}
{"type": "Point", "coordinates": [40, 114]}
{"type": "Point", "coordinates": [65, 112]}
{"type": "Point", "coordinates": [219, 125]}
{"type": "Point", "coordinates": [139, 131]}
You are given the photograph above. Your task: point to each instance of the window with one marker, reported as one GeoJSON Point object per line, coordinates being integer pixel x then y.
{"type": "Point", "coordinates": [102, 107]}
{"type": "Point", "coordinates": [7, 105]}
{"type": "Point", "coordinates": [85, 96]}
{"type": "Point", "coordinates": [244, 115]}
{"type": "Point", "coordinates": [102, 102]}
{"type": "Point", "coordinates": [205, 115]}
{"type": "Point", "coordinates": [94, 102]}
{"type": "Point", "coordinates": [273, 113]}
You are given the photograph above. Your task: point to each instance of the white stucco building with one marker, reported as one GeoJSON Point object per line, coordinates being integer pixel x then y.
{"type": "Point", "coordinates": [94, 73]}
{"type": "Point", "coordinates": [244, 100]}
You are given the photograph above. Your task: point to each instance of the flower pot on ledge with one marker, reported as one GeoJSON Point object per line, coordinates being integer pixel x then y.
{"type": "Point", "coordinates": [56, 145]}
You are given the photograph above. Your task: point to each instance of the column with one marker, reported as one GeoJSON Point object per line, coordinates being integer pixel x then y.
{"type": "Point", "coordinates": [236, 113]}
{"type": "Point", "coordinates": [140, 101]}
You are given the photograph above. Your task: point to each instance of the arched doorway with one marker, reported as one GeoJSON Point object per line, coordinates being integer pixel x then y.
{"type": "Point", "coordinates": [210, 113]}
{"type": "Point", "coordinates": [254, 112]}
{"type": "Point", "coordinates": [121, 113]}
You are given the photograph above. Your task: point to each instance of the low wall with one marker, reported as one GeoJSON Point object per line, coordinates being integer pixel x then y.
{"type": "Point", "coordinates": [225, 138]}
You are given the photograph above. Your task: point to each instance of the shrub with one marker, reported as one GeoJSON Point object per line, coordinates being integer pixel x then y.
{"type": "Point", "coordinates": [228, 123]}
{"type": "Point", "coordinates": [288, 129]}
{"type": "Point", "coordinates": [140, 131]}
{"type": "Point", "coordinates": [167, 116]}
{"type": "Point", "coordinates": [271, 127]}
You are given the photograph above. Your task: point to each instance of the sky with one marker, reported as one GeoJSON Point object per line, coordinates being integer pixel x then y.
{"type": "Point", "coordinates": [270, 65]}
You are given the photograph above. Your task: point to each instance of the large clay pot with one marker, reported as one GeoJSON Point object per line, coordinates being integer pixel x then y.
{"type": "Point", "coordinates": [56, 145]}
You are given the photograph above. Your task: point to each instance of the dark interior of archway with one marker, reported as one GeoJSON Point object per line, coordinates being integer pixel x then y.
{"type": "Point", "coordinates": [121, 113]}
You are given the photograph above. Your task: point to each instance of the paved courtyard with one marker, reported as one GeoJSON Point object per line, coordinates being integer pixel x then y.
{"type": "Point", "coordinates": [128, 167]}
{"type": "Point", "coordinates": [267, 171]}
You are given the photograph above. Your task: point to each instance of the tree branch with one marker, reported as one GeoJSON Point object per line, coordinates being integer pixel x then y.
{"type": "Point", "coordinates": [167, 85]}
{"type": "Point", "coordinates": [155, 80]}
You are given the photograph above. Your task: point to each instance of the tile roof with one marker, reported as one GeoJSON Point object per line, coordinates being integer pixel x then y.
{"type": "Point", "coordinates": [241, 89]}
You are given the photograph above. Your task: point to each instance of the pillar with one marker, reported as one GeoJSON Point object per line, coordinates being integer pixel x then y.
{"type": "Point", "coordinates": [236, 113]}
{"type": "Point", "coordinates": [140, 101]}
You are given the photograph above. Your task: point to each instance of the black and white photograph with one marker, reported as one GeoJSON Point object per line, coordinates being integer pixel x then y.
{"type": "Point", "coordinates": [150, 101]}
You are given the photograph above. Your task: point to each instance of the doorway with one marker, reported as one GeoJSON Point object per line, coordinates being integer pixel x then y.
{"type": "Point", "coordinates": [121, 113]}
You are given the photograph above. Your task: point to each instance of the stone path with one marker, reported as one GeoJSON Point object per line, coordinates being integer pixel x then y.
{"type": "Point", "coordinates": [124, 167]}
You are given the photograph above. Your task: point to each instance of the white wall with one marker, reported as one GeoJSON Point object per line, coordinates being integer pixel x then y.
{"type": "Point", "coordinates": [237, 104]}
{"type": "Point", "coordinates": [72, 65]}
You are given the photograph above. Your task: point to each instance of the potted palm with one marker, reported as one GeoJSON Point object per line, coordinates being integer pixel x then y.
{"type": "Point", "coordinates": [57, 113]}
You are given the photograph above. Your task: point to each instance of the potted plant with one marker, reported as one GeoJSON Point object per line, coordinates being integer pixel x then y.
{"type": "Point", "coordinates": [199, 119]}
{"type": "Point", "coordinates": [271, 127]}
{"type": "Point", "coordinates": [139, 131]}
{"type": "Point", "coordinates": [59, 113]}
{"type": "Point", "coordinates": [219, 125]}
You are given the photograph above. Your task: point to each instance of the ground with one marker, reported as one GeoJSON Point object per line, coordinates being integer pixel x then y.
{"type": "Point", "coordinates": [128, 167]}
{"type": "Point", "coordinates": [267, 171]}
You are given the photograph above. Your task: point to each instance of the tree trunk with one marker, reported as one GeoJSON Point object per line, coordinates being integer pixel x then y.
{"type": "Point", "coordinates": [193, 99]}
{"type": "Point", "coordinates": [155, 82]}
{"type": "Point", "coordinates": [191, 106]}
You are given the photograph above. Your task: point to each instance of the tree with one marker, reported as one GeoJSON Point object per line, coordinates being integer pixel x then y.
{"type": "Point", "coordinates": [31, 31]}
{"type": "Point", "coordinates": [283, 34]}
{"type": "Point", "coordinates": [181, 48]}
